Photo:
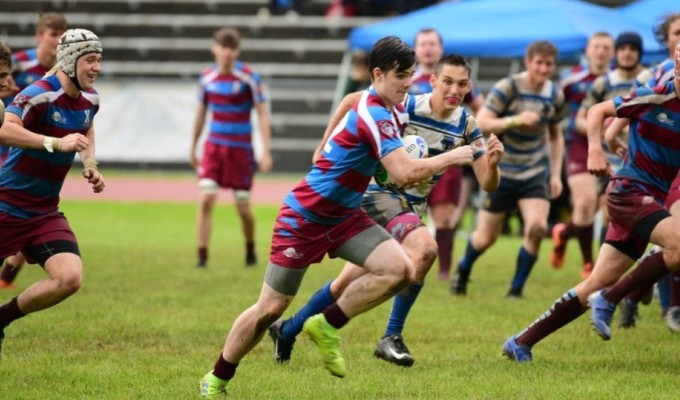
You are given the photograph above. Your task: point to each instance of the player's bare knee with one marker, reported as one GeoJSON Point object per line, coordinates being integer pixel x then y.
{"type": "Point", "coordinates": [423, 261]}
{"type": "Point", "coordinates": [672, 259]}
{"type": "Point", "coordinates": [399, 276]}
{"type": "Point", "coordinates": [272, 309]}
{"type": "Point", "coordinates": [586, 200]}
{"type": "Point", "coordinates": [69, 282]}
{"type": "Point", "coordinates": [483, 242]}
{"type": "Point", "coordinates": [338, 286]}
{"type": "Point", "coordinates": [537, 231]}
{"type": "Point", "coordinates": [430, 254]}
{"type": "Point", "coordinates": [400, 285]}
{"type": "Point", "coordinates": [206, 205]}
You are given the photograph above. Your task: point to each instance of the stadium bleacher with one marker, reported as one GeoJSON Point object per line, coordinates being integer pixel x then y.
{"type": "Point", "coordinates": [299, 57]}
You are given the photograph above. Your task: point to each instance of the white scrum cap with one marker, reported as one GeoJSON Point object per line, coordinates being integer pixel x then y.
{"type": "Point", "coordinates": [72, 45]}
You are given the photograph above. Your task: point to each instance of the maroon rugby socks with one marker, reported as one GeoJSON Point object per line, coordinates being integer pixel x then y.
{"type": "Point", "coordinates": [566, 309]}
{"type": "Point", "coordinates": [10, 312]}
{"type": "Point", "coordinates": [444, 238]}
{"type": "Point", "coordinates": [650, 270]}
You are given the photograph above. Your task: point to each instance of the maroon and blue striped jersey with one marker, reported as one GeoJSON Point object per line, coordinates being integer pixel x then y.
{"type": "Point", "coordinates": [575, 84]}
{"type": "Point", "coordinates": [30, 180]}
{"type": "Point", "coordinates": [333, 189]}
{"type": "Point", "coordinates": [26, 70]}
{"type": "Point", "coordinates": [654, 136]}
{"type": "Point", "coordinates": [230, 98]}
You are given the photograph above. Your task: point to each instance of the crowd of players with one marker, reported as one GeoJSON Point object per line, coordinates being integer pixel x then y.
{"type": "Point", "coordinates": [512, 143]}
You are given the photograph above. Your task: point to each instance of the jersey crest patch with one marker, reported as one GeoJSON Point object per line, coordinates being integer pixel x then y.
{"type": "Point", "coordinates": [21, 99]}
{"type": "Point", "coordinates": [386, 128]}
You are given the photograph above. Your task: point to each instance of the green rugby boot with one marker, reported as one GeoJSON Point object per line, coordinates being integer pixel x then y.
{"type": "Point", "coordinates": [327, 340]}
{"type": "Point", "coordinates": [212, 387]}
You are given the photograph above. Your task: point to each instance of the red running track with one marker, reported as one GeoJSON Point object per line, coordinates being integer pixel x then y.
{"type": "Point", "coordinates": [174, 189]}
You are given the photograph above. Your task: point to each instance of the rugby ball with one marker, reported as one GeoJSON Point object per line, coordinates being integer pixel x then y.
{"type": "Point", "coordinates": [2, 113]}
{"type": "Point", "coordinates": [415, 147]}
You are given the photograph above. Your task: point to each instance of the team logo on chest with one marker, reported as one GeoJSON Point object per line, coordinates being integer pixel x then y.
{"type": "Point", "coordinates": [664, 119]}
{"type": "Point", "coordinates": [386, 128]}
{"type": "Point", "coordinates": [236, 87]}
{"type": "Point", "coordinates": [57, 117]}
{"type": "Point", "coordinates": [87, 117]}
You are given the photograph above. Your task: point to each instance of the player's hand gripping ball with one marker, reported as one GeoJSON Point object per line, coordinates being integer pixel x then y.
{"type": "Point", "coordinates": [415, 147]}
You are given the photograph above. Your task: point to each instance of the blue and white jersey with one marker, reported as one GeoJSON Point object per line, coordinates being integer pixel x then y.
{"type": "Point", "coordinates": [526, 150]}
{"type": "Point", "coordinates": [660, 74]}
{"type": "Point", "coordinates": [458, 129]}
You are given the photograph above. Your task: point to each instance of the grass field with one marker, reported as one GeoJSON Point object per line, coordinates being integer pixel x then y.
{"type": "Point", "coordinates": [147, 325]}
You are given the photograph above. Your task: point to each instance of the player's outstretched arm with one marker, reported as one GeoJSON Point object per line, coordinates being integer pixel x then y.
{"type": "Point", "coordinates": [13, 133]}
{"type": "Point", "coordinates": [486, 167]}
{"type": "Point", "coordinates": [597, 161]}
{"type": "Point", "coordinates": [556, 147]}
{"type": "Point", "coordinates": [489, 121]}
{"type": "Point", "coordinates": [612, 136]}
{"type": "Point", "coordinates": [90, 171]}
{"type": "Point", "coordinates": [406, 171]}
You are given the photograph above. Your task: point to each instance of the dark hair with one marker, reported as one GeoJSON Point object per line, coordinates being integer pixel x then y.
{"type": "Point", "coordinates": [428, 30]}
{"type": "Point", "coordinates": [661, 29]}
{"type": "Point", "coordinates": [455, 60]}
{"type": "Point", "coordinates": [391, 53]}
{"type": "Point", "coordinates": [51, 20]}
{"type": "Point", "coordinates": [542, 47]}
{"type": "Point", "coordinates": [5, 55]}
{"type": "Point", "coordinates": [227, 37]}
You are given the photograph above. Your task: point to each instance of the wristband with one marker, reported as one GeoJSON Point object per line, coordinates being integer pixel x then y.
{"type": "Point", "coordinates": [90, 163]}
{"type": "Point", "coordinates": [510, 122]}
{"type": "Point", "coordinates": [48, 144]}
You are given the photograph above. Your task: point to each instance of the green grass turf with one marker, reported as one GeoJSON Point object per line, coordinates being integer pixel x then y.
{"type": "Point", "coordinates": [147, 325]}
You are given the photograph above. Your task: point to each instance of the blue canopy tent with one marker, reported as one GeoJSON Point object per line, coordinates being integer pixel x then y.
{"type": "Point", "coordinates": [648, 14]}
{"type": "Point", "coordinates": [503, 29]}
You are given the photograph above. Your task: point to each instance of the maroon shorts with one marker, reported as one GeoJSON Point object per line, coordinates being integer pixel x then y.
{"type": "Point", "coordinates": [447, 188]}
{"type": "Point", "coordinates": [634, 212]}
{"type": "Point", "coordinates": [298, 242]}
{"type": "Point", "coordinates": [20, 234]}
{"type": "Point", "coordinates": [577, 157]}
{"type": "Point", "coordinates": [230, 167]}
